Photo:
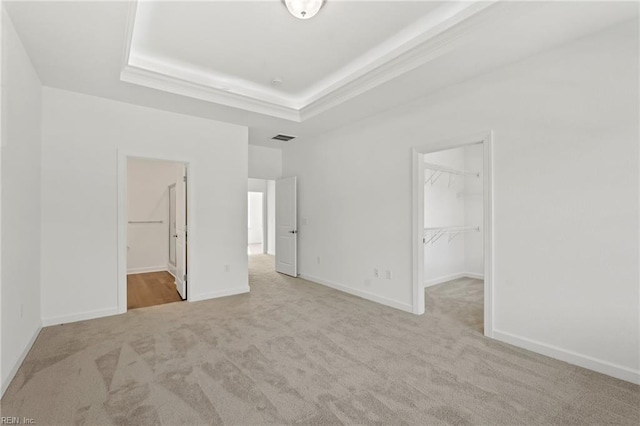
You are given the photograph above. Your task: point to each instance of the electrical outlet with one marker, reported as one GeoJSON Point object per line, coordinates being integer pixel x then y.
{"type": "Point", "coordinates": [376, 272]}
{"type": "Point", "coordinates": [389, 274]}
{"type": "Point", "coordinates": [226, 268]}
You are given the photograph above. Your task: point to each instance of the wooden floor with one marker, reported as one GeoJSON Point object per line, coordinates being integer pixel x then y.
{"type": "Point", "coordinates": [150, 289]}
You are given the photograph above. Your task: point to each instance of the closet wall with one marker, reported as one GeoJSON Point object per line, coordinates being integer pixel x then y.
{"type": "Point", "coordinates": [453, 201]}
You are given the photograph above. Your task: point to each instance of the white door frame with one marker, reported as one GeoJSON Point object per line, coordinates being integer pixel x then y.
{"type": "Point", "coordinates": [486, 138]}
{"type": "Point", "coordinates": [170, 236]}
{"type": "Point", "coordinates": [123, 157]}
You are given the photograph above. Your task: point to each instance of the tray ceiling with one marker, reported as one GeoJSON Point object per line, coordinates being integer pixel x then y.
{"type": "Point", "coordinates": [231, 52]}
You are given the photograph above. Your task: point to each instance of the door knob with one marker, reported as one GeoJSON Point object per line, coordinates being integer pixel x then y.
{"type": "Point", "coordinates": [293, 232]}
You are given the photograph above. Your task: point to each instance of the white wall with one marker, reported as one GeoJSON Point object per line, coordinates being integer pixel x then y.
{"type": "Point", "coordinates": [81, 138]}
{"type": "Point", "coordinates": [21, 125]}
{"type": "Point", "coordinates": [271, 217]}
{"type": "Point", "coordinates": [566, 190]}
{"type": "Point", "coordinates": [454, 200]}
{"type": "Point", "coordinates": [148, 200]}
{"type": "Point", "coordinates": [473, 211]}
{"type": "Point", "coordinates": [255, 229]}
{"type": "Point", "coordinates": [443, 259]}
{"type": "Point", "coordinates": [265, 163]}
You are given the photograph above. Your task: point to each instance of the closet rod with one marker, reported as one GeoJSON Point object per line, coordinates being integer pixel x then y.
{"type": "Point", "coordinates": [439, 168]}
{"type": "Point", "coordinates": [146, 221]}
{"type": "Point", "coordinates": [431, 235]}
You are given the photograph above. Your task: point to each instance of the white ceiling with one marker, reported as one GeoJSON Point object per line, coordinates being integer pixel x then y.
{"type": "Point", "coordinates": [250, 44]}
{"type": "Point", "coordinates": [352, 60]}
{"type": "Point", "coordinates": [231, 52]}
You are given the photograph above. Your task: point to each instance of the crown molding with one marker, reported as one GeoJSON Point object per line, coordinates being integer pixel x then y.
{"type": "Point", "coordinates": [158, 81]}
{"type": "Point", "coordinates": [425, 42]}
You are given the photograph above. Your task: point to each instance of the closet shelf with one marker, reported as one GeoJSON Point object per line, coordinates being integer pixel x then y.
{"type": "Point", "coordinates": [437, 171]}
{"type": "Point", "coordinates": [431, 235]}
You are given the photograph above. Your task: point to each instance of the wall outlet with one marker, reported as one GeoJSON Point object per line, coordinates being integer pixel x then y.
{"type": "Point", "coordinates": [226, 268]}
{"type": "Point", "coordinates": [389, 274]}
{"type": "Point", "coordinates": [376, 272]}
{"type": "Point", "coordinates": [318, 260]}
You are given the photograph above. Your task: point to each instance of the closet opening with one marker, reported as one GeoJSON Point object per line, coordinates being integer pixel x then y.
{"type": "Point", "coordinates": [153, 215]}
{"type": "Point", "coordinates": [452, 221]}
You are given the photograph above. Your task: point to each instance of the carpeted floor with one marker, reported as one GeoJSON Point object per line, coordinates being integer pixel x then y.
{"type": "Point", "coordinates": [293, 352]}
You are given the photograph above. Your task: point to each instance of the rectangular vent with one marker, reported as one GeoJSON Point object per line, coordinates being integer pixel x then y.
{"type": "Point", "coordinates": [285, 138]}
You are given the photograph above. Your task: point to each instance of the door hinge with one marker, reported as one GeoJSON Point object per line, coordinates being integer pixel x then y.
{"type": "Point", "coordinates": [184, 178]}
{"type": "Point", "coordinates": [185, 278]}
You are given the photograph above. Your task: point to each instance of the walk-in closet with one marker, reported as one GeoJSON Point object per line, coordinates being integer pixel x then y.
{"type": "Point", "coordinates": [453, 233]}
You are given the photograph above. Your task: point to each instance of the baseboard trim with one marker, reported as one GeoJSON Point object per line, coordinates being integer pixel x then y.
{"type": "Point", "coordinates": [146, 269]}
{"type": "Point", "coordinates": [14, 370]}
{"type": "Point", "coordinates": [585, 361]}
{"type": "Point", "coordinates": [443, 279]}
{"type": "Point", "coordinates": [220, 293]}
{"type": "Point", "coordinates": [82, 316]}
{"type": "Point", "coordinates": [362, 294]}
{"type": "Point", "coordinates": [172, 270]}
{"type": "Point", "coordinates": [446, 278]}
{"type": "Point", "coordinates": [474, 275]}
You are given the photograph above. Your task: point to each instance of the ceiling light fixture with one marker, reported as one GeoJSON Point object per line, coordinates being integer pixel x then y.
{"type": "Point", "coordinates": [303, 9]}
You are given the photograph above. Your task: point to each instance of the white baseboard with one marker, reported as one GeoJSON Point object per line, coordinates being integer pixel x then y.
{"type": "Point", "coordinates": [585, 361]}
{"type": "Point", "coordinates": [443, 279]}
{"type": "Point", "coordinates": [12, 373]}
{"type": "Point", "coordinates": [171, 269]}
{"type": "Point", "coordinates": [446, 278]}
{"type": "Point", "coordinates": [146, 269]}
{"type": "Point", "coordinates": [64, 319]}
{"type": "Point", "coordinates": [363, 294]}
{"type": "Point", "coordinates": [220, 293]}
{"type": "Point", "coordinates": [474, 275]}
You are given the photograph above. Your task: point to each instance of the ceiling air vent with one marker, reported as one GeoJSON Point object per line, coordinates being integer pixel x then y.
{"type": "Point", "coordinates": [284, 138]}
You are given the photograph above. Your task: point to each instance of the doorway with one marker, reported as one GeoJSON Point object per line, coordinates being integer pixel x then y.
{"type": "Point", "coordinates": [452, 211]}
{"type": "Point", "coordinates": [156, 232]}
{"type": "Point", "coordinates": [255, 223]}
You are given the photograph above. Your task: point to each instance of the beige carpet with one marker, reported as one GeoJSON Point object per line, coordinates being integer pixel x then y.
{"type": "Point", "coordinates": [293, 352]}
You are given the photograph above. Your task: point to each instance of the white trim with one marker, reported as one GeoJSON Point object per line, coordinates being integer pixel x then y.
{"type": "Point", "coordinates": [585, 361]}
{"type": "Point", "coordinates": [443, 279]}
{"type": "Point", "coordinates": [81, 316]}
{"type": "Point", "coordinates": [473, 275]}
{"type": "Point", "coordinates": [16, 366]}
{"type": "Point", "coordinates": [360, 293]}
{"type": "Point", "coordinates": [417, 204]}
{"type": "Point", "coordinates": [171, 269]}
{"type": "Point", "coordinates": [167, 83]}
{"type": "Point", "coordinates": [451, 277]}
{"type": "Point", "coordinates": [128, 34]}
{"type": "Point", "coordinates": [220, 293]}
{"type": "Point", "coordinates": [145, 269]}
{"type": "Point", "coordinates": [122, 157]}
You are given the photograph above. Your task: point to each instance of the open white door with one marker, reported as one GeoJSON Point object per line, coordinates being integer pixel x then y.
{"type": "Point", "coordinates": [286, 227]}
{"type": "Point", "coordinates": [181, 233]}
